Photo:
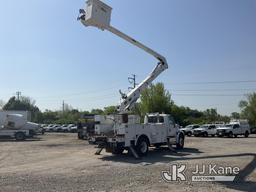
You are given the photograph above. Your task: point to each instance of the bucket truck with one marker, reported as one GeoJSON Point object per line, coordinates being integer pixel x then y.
{"type": "Point", "coordinates": [121, 131]}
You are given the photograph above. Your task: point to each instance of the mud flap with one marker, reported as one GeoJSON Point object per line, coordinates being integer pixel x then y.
{"type": "Point", "coordinates": [170, 146]}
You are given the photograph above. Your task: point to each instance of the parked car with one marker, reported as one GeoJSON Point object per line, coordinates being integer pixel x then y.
{"type": "Point", "coordinates": [64, 128]}
{"type": "Point", "coordinates": [73, 129]}
{"type": "Point", "coordinates": [234, 128]}
{"type": "Point", "coordinates": [49, 128]}
{"type": "Point", "coordinates": [188, 130]}
{"type": "Point", "coordinates": [56, 128]}
{"type": "Point", "coordinates": [205, 130]}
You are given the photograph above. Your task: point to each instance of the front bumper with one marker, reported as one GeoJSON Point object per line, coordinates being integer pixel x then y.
{"type": "Point", "coordinates": [198, 133]}
{"type": "Point", "coordinates": [221, 133]}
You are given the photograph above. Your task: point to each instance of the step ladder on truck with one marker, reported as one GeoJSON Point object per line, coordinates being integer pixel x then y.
{"type": "Point", "coordinates": [119, 132]}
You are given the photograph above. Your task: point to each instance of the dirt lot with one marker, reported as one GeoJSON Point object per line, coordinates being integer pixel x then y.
{"type": "Point", "coordinates": [60, 162]}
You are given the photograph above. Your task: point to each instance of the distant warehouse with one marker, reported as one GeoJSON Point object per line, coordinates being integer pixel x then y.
{"type": "Point", "coordinates": [26, 114]}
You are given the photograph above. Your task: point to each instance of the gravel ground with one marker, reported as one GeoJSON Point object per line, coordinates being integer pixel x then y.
{"type": "Point", "coordinates": [60, 162]}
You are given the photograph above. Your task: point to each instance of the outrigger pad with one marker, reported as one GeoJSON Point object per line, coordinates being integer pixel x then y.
{"type": "Point", "coordinates": [134, 152]}
{"type": "Point", "coordinates": [99, 151]}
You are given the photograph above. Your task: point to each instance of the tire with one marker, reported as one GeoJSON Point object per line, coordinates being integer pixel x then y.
{"type": "Point", "coordinates": [189, 134]}
{"type": "Point", "coordinates": [235, 136]}
{"type": "Point", "coordinates": [205, 134]}
{"type": "Point", "coordinates": [213, 135]}
{"type": "Point", "coordinates": [246, 134]}
{"type": "Point", "coordinates": [230, 134]}
{"type": "Point", "coordinates": [180, 144]}
{"type": "Point", "coordinates": [142, 146]}
{"type": "Point", "coordinates": [117, 151]}
{"type": "Point", "coordinates": [20, 136]}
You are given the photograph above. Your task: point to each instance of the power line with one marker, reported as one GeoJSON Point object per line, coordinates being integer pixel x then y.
{"type": "Point", "coordinates": [211, 95]}
{"type": "Point", "coordinates": [209, 90]}
{"type": "Point", "coordinates": [220, 82]}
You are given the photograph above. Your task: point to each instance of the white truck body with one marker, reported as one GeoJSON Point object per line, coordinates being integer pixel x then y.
{"type": "Point", "coordinates": [234, 128]}
{"type": "Point", "coordinates": [126, 132]}
{"type": "Point", "coordinates": [16, 125]}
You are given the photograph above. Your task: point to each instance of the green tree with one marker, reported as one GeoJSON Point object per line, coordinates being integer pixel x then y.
{"type": "Point", "coordinates": [97, 111]}
{"type": "Point", "coordinates": [155, 99]}
{"type": "Point", "coordinates": [110, 110]}
{"type": "Point", "coordinates": [23, 104]}
{"type": "Point", "coordinates": [211, 115]}
{"type": "Point", "coordinates": [248, 108]}
{"type": "Point", "coordinates": [235, 115]}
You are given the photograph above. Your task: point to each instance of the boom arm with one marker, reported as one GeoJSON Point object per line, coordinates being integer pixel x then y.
{"type": "Point", "coordinates": [131, 98]}
{"type": "Point", "coordinates": [98, 14]}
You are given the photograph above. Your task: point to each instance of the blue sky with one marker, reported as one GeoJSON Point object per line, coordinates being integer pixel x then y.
{"type": "Point", "coordinates": [47, 55]}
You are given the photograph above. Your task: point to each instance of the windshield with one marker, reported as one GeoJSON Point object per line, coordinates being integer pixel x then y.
{"type": "Point", "coordinates": [204, 126]}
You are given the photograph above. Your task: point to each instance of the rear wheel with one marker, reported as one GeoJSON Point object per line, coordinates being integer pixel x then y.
{"type": "Point", "coordinates": [20, 136]}
{"type": "Point", "coordinates": [181, 141]}
{"type": "Point", "coordinates": [142, 146]}
{"type": "Point", "coordinates": [205, 134]}
{"type": "Point", "coordinates": [230, 134]}
{"type": "Point", "coordinates": [246, 134]}
{"type": "Point", "coordinates": [235, 136]}
{"type": "Point", "coordinates": [189, 134]}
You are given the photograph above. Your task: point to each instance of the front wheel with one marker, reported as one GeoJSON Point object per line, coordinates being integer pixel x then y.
{"type": "Point", "coordinates": [246, 134]}
{"type": "Point", "coordinates": [205, 134]}
{"type": "Point", "coordinates": [189, 134]}
{"type": "Point", "coordinates": [20, 136]}
{"type": "Point", "coordinates": [230, 135]}
{"type": "Point", "coordinates": [142, 147]}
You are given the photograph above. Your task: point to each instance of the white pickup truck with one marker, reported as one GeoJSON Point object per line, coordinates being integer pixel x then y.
{"type": "Point", "coordinates": [126, 133]}
{"type": "Point", "coordinates": [188, 130]}
{"type": "Point", "coordinates": [234, 128]}
{"type": "Point", "coordinates": [205, 130]}
{"type": "Point", "coordinates": [16, 126]}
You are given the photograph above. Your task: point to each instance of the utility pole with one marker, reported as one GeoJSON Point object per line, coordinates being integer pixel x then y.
{"type": "Point", "coordinates": [18, 93]}
{"type": "Point", "coordinates": [132, 80]}
{"type": "Point", "coordinates": [63, 106]}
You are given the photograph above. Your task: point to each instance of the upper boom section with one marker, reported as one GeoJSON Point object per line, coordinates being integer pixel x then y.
{"type": "Point", "coordinates": [98, 14]}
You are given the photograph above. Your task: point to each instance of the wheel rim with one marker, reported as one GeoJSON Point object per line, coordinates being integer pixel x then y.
{"type": "Point", "coordinates": [19, 136]}
{"type": "Point", "coordinates": [143, 147]}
